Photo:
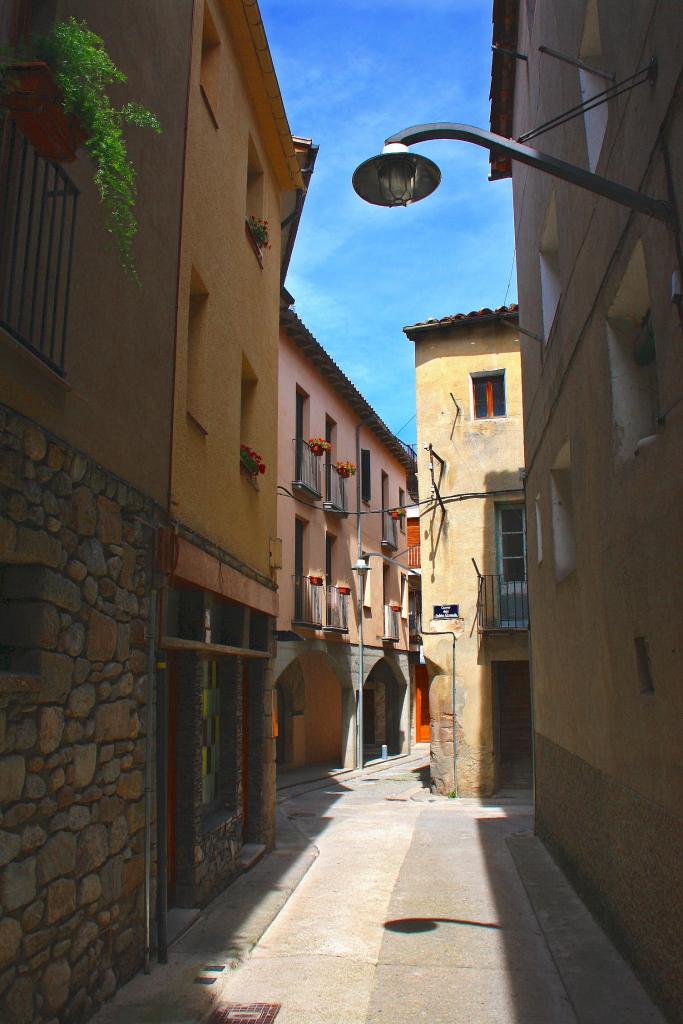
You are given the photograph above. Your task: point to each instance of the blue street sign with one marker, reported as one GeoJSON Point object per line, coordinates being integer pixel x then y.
{"type": "Point", "coordinates": [446, 611]}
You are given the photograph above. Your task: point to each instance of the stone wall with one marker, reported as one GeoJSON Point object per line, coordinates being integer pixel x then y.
{"type": "Point", "coordinates": [74, 599]}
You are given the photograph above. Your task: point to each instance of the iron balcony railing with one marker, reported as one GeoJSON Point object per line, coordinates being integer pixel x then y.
{"type": "Point", "coordinates": [391, 618]}
{"type": "Point", "coordinates": [414, 556]}
{"type": "Point", "coordinates": [502, 604]}
{"type": "Point", "coordinates": [389, 531]}
{"type": "Point", "coordinates": [37, 222]}
{"type": "Point", "coordinates": [336, 490]}
{"type": "Point", "coordinates": [336, 609]}
{"type": "Point", "coordinates": [307, 602]}
{"type": "Point", "coordinates": [306, 468]}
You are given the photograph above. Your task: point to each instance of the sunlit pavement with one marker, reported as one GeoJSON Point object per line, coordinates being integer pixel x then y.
{"type": "Point", "coordinates": [390, 905]}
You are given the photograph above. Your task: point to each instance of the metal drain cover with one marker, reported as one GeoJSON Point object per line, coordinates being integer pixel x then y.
{"type": "Point", "coordinates": [245, 1013]}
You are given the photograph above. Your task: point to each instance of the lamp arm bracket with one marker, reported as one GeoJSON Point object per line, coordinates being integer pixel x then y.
{"type": "Point", "coordinates": [618, 193]}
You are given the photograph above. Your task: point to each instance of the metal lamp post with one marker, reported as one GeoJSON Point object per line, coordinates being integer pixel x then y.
{"type": "Point", "coordinates": [398, 178]}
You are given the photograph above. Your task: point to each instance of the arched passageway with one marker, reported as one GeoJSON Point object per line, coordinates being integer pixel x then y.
{"type": "Point", "coordinates": [383, 702]}
{"type": "Point", "coordinates": [308, 719]}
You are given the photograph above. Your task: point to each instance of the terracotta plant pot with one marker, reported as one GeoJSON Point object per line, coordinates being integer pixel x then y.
{"type": "Point", "coordinates": [395, 607]}
{"type": "Point", "coordinates": [315, 581]}
{"type": "Point", "coordinates": [35, 103]}
{"type": "Point", "coordinates": [318, 451]}
{"type": "Point", "coordinates": [344, 474]}
{"type": "Point", "coordinates": [344, 590]}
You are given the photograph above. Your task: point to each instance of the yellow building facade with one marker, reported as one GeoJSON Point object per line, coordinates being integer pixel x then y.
{"type": "Point", "coordinates": [472, 541]}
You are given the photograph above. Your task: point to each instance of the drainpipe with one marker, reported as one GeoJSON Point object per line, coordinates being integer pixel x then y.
{"type": "Point", "coordinates": [451, 634]}
{"type": "Point", "coordinates": [150, 732]}
{"type": "Point", "coordinates": [361, 584]}
{"type": "Point", "coordinates": [162, 813]}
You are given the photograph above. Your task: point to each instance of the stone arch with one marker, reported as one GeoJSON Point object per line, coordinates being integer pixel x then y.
{"type": "Point", "coordinates": [385, 698]}
{"type": "Point", "coordinates": [309, 712]}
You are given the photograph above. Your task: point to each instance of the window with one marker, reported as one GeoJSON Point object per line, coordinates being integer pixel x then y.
{"type": "Point", "coordinates": [591, 84]}
{"type": "Point", "coordinates": [632, 351]}
{"type": "Point", "coordinates": [489, 394]}
{"type": "Point", "coordinates": [549, 260]}
{"type": "Point", "coordinates": [210, 63]}
{"type": "Point", "coordinates": [365, 483]}
{"type": "Point", "coordinates": [511, 543]}
{"type": "Point", "coordinates": [564, 540]}
{"type": "Point", "coordinates": [401, 502]}
{"type": "Point", "coordinates": [211, 714]}
{"type": "Point", "coordinates": [196, 352]}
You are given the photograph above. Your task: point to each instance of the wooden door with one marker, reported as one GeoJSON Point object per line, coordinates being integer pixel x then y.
{"type": "Point", "coordinates": [171, 776]}
{"type": "Point", "coordinates": [245, 746]}
{"type": "Point", "coordinates": [422, 721]}
{"type": "Point", "coordinates": [514, 724]}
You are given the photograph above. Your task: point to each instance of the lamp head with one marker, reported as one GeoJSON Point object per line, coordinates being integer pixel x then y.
{"type": "Point", "coordinates": [361, 567]}
{"type": "Point", "coordinates": [396, 177]}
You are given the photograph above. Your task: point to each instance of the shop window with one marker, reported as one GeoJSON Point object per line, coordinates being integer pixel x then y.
{"type": "Point", "coordinates": [564, 537]}
{"type": "Point", "coordinates": [488, 390]}
{"type": "Point", "coordinates": [549, 261]}
{"type": "Point", "coordinates": [209, 73]}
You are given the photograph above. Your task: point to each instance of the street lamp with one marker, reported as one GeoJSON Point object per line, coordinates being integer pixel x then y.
{"type": "Point", "coordinates": [398, 178]}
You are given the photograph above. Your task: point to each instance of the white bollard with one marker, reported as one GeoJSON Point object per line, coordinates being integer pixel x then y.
{"type": "Point", "coordinates": [385, 752]}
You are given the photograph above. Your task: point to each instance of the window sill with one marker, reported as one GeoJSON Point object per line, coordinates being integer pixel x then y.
{"type": "Point", "coordinates": [254, 245]}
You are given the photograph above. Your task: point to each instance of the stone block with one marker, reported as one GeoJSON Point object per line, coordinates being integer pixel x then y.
{"type": "Point", "coordinates": [19, 1002]}
{"type": "Point", "coordinates": [93, 849]}
{"type": "Point", "coordinates": [109, 525]}
{"type": "Point", "coordinates": [136, 816]}
{"type": "Point", "coordinates": [90, 552]}
{"type": "Point", "coordinates": [17, 508]}
{"type": "Point", "coordinates": [57, 857]}
{"type": "Point", "coordinates": [84, 512]}
{"type": "Point", "coordinates": [89, 890]}
{"type": "Point", "coordinates": [82, 700]}
{"type": "Point", "coordinates": [19, 883]}
{"type": "Point", "coordinates": [50, 729]}
{"type": "Point", "coordinates": [62, 484]}
{"type": "Point", "coordinates": [127, 574]}
{"type": "Point", "coordinates": [56, 780]}
{"type": "Point", "coordinates": [77, 467]}
{"type": "Point", "coordinates": [61, 900]}
{"type": "Point", "coordinates": [73, 640]}
{"type": "Point", "coordinates": [102, 637]}
{"type": "Point", "coordinates": [55, 456]}
{"type": "Point", "coordinates": [38, 583]}
{"type": "Point", "coordinates": [131, 786]}
{"type": "Point", "coordinates": [35, 443]}
{"type": "Point", "coordinates": [54, 984]}
{"type": "Point", "coordinates": [82, 768]}
{"type": "Point", "coordinates": [118, 834]}
{"type": "Point", "coordinates": [110, 807]}
{"type": "Point", "coordinates": [116, 721]}
{"type": "Point", "coordinates": [78, 817]}
{"type": "Point", "coordinates": [10, 844]}
{"type": "Point", "coordinates": [29, 624]}
{"type": "Point", "coordinates": [32, 916]}
{"type": "Point", "coordinates": [33, 547]}
{"type": "Point", "coordinates": [12, 776]}
{"type": "Point", "coordinates": [32, 837]}
{"type": "Point", "coordinates": [10, 469]}
{"type": "Point", "coordinates": [34, 787]}
{"type": "Point", "coordinates": [8, 538]}
{"type": "Point", "coordinates": [111, 877]}
{"type": "Point", "coordinates": [133, 874]}
{"type": "Point", "coordinates": [84, 937]}
{"type": "Point", "coordinates": [18, 813]}
{"type": "Point", "coordinates": [10, 937]}
{"type": "Point", "coordinates": [25, 734]}
{"type": "Point", "coordinates": [76, 570]}
{"type": "Point", "coordinates": [54, 670]}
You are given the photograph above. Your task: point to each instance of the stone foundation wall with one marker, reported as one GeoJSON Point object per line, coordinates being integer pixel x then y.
{"type": "Point", "coordinates": [624, 855]}
{"type": "Point", "coordinates": [74, 600]}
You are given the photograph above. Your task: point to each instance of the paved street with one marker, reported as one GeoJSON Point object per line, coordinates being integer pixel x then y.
{"type": "Point", "coordinates": [385, 904]}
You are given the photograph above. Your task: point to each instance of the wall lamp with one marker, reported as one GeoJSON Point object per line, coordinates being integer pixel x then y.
{"type": "Point", "coordinates": [397, 177]}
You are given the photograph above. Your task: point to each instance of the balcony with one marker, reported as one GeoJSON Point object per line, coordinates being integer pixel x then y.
{"type": "Point", "coordinates": [335, 500]}
{"type": "Point", "coordinates": [37, 221]}
{"type": "Point", "coordinates": [502, 605]}
{"type": "Point", "coordinates": [389, 531]}
{"type": "Point", "coordinates": [414, 556]}
{"type": "Point", "coordinates": [336, 610]}
{"type": "Point", "coordinates": [307, 603]}
{"type": "Point", "coordinates": [391, 617]}
{"type": "Point", "coordinates": [306, 470]}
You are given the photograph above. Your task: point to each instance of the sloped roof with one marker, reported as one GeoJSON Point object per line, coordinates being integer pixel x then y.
{"type": "Point", "coordinates": [327, 368]}
{"type": "Point", "coordinates": [503, 71]}
{"type": "Point", "coordinates": [476, 316]}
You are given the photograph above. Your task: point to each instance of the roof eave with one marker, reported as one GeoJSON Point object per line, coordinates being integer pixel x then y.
{"type": "Point", "coordinates": [503, 71]}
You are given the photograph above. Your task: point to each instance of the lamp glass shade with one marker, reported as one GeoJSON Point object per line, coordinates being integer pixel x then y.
{"type": "Point", "coordinates": [396, 179]}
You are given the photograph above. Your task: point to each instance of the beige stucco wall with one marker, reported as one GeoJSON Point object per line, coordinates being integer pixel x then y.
{"type": "Point", "coordinates": [601, 741]}
{"type": "Point", "coordinates": [114, 403]}
{"type": "Point", "coordinates": [480, 456]}
{"type": "Point", "coordinates": [240, 317]}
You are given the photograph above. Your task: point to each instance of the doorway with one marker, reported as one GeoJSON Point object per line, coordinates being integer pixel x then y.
{"type": "Point", "coordinates": [422, 720]}
{"type": "Point", "coordinates": [512, 724]}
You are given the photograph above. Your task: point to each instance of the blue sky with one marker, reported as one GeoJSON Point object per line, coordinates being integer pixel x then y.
{"type": "Point", "coordinates": [352, 72]}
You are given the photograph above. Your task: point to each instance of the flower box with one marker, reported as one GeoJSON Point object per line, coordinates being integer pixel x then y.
{"type": "Point", "coordinates": [251, 461]}
{"type": "Point", "coordinates": [398, 513]}
{"type": "Point", "coordinates": [346, 469]}
{"type": "Point", "coordinates": [36, 104]}
{"type": "Point", "coordinates": [319, 445]}
{"type": "Point", "coordinates": [342, 588]}
{"type": "Point", "coordinates": [315, 581]}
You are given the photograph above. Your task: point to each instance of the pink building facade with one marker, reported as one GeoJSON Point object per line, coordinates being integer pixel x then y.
{"type": "Point", "coordinates": [318, 655]}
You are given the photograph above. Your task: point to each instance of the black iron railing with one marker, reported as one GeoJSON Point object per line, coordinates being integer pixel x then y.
{"type": "Point", "coordinates": [502, 604]}
{"type": "Point", "coordinates": [391, 618]}
{"type": "Point", "coordinates": [37, 225]}
{"type": "Point", "coordinates": [336, 491]}
{"type": "Point", "coordinates": [336, 609]}
{"type": "Point", "coordinates": [306, 468]}
{"type": "Point", "coordinates": [307, 602]}
{"type": "Point", "coordinates": [389, 531]}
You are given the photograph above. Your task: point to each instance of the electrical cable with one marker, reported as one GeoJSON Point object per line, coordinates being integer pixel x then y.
{"type": "Point", "coordinates": [465, 496]}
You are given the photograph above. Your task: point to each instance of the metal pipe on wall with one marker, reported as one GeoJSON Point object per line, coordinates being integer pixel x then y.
{"type": "Point", "coordinates": [150, 733]}
{"type": "Point", "coordinates": [162, 813]}
{"type": "Point", "coordinates": [361, 584]}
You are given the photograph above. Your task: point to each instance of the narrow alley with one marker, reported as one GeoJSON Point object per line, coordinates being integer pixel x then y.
{"type": "Point", "coordinates": [383, 903]}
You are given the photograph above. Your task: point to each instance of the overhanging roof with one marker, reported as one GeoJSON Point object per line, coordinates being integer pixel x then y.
{"type": "Point", "coordinates": [327, 368]}
{"type": "Point", "coordinates": [475, 318]}
{"type": "Point", "coordinates": [503, 70]}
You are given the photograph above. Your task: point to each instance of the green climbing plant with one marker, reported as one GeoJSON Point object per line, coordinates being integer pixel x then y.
{"type": "Point", "coordinates": [84, 71]}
